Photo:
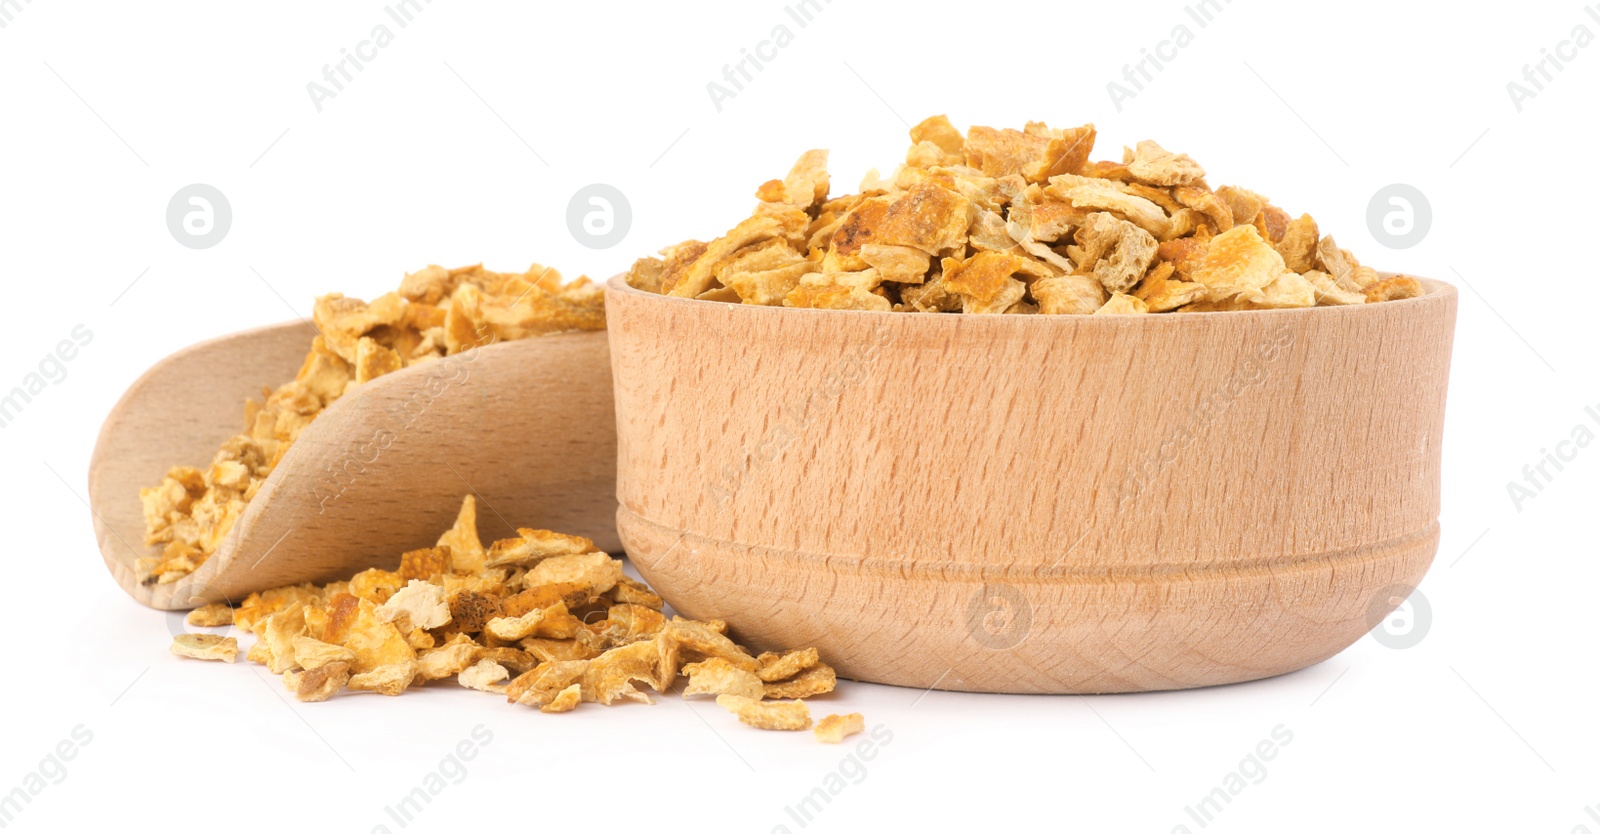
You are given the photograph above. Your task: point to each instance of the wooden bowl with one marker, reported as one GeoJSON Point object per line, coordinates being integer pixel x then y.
{"type": "Point", "coordinates": [526, 425]}
{"type": "Point", "coordinates": [1063, 504]}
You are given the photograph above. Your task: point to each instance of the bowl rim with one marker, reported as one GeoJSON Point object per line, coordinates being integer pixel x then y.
{"type": "Point", "coordinates": [1435, 292]}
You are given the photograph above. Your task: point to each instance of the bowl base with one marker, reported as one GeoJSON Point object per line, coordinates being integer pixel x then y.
{"type": "Point", "coordinates": [1056, 631]}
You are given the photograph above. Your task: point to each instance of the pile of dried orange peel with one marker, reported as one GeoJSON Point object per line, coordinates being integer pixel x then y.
{"type": "Point", "coordinates": [436, 313]}
{"type": "Point", "coordinates": [543, 619]}
{"type": "Point", "coordinates": [1019, 221]}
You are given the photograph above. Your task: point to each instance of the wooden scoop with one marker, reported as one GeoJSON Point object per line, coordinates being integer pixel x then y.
{"type": "Point", "coordinates": [527, 426]}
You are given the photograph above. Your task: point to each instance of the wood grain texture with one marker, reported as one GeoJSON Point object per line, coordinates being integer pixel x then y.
{"type": "Point", "coordinates": [1033, 503]}
{"type": "Point", "coordinates": [527, 425]}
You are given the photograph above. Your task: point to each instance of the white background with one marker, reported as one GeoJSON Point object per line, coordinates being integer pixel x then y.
{"type": "Point", "coordinates": [464, 140]}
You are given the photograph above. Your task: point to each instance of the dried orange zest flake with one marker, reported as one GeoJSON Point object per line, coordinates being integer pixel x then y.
{"type": "Point", "coordinates": [834, 728]}
{"type": "Point", "coordinates": [767, 715]}
{"type": "Point", "coordinates": [206, 647]}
